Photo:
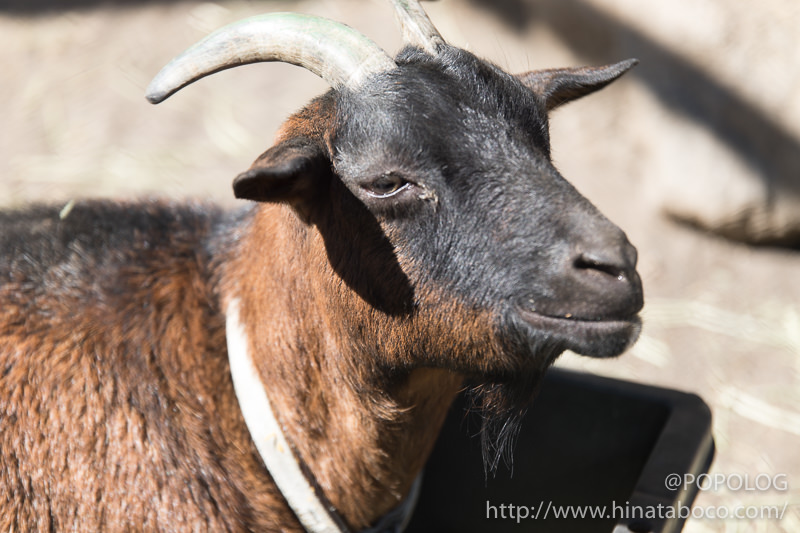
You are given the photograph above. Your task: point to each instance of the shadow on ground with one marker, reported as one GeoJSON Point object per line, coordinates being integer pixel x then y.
{"type": "Point", "coordinates": [770, 151]}
{"type": "Point", "coordinates": [34, 7]}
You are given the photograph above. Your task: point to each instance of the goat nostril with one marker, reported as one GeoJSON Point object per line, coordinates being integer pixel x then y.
{"type": "Point", "coordinates": [615, 269]}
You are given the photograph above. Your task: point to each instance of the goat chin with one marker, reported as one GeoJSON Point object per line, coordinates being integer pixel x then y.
{"type": "Point", "coordinates": [503, 400]}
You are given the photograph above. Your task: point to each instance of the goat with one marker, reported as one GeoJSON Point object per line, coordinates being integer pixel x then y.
{"type": "Point", "coordinates": [406, 232]}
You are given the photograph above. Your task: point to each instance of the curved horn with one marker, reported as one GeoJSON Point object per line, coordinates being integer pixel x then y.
{"type": "Point", "coordinates": [337, 53]}
{"type": "Point", "coordinates": [417, 27]}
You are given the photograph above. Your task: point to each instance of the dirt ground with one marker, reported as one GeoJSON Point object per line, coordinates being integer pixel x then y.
{"type": "Point", "coordinates": [721, 319]}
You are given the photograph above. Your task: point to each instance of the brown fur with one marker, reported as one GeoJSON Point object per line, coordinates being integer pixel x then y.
{"type": "Point", "coordinates": [116, 419]}
{"type": "Point", "coordinates": [313, 121]}
{"type": "Point", "coordinates": [363, 422]}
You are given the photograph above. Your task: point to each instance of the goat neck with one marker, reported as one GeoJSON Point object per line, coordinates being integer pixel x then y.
{"type": "Point", "coordinates": [362, 430]}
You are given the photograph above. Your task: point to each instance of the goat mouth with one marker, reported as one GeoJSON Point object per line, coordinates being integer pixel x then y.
{"type": "Point", "coordinates": [593, 337]}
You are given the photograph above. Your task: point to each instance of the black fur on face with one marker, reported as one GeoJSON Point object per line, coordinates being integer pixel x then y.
{"type": "Point", "coordinates": [452, 157]}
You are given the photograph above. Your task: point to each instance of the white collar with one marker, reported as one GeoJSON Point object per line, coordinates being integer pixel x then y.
{"type": "Point", "coordinates": [304, 500]}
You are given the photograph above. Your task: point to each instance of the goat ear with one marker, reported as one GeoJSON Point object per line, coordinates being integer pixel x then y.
{"type": "Point", "coordinates": [559, 86]}
{"type": "Point", "coordinates": [290, 172]}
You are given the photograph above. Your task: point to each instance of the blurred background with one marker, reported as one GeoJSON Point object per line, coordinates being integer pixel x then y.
{"type": "Point", "coordinates": [695, 154]}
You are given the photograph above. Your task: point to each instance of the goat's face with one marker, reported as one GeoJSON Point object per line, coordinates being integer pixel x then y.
{"type": "Point", "coordinates": [434, 193]}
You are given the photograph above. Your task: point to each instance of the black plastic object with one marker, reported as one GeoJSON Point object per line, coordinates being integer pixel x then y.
{"type": "Point", "coordinates": [588, 444]}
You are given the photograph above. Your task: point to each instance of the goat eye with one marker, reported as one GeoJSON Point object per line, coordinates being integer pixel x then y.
{"type": "Point", "coordinates": [386, 185]}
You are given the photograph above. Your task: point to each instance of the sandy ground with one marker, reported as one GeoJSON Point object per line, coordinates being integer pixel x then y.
{"type": "Point", "coordinates": [722, 319]}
